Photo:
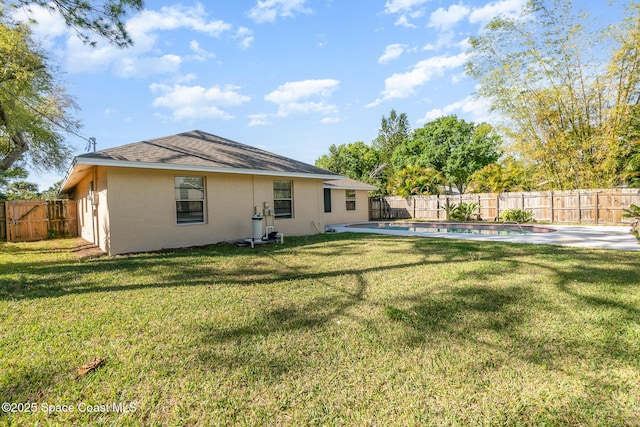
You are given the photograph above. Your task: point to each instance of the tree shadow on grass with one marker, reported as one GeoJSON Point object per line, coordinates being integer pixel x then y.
{"type": "Point", "coordinates": [466, 311]}
{"type": "Point", "coordinates": [240, 347]}
{"type": "Point", "coordinates": [461, 311]}
{"type": "Point", "coordinates": [24, 279]}
{"type": "Point", "coordinates": [206, 266]}
{"type": "Point", "coordinates": [508, 315]}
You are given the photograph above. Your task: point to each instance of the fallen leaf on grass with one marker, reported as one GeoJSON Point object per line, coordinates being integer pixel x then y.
{"type": "Point", "coordinates": [90, 365]}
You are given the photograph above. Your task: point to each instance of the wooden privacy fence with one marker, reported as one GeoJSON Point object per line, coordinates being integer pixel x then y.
{"type": "Point", "coordinates": [27, 220]}
{"type": "Point", "coordinates": [575, 206]}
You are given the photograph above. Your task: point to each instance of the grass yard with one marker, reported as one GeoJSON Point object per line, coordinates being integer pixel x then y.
{"type": "Point", "coordinates": [328, 330]}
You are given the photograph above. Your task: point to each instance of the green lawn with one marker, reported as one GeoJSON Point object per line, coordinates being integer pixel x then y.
{"type": "Point", "coordinates": [327, 330]}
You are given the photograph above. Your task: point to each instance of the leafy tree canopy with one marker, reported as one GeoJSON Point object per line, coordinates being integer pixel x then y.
{"type": "Point", "coordinates": [451, 146]}
{"type": "Point", "coordinates": [21, 190]}
{"type": "Point", "coordinates": [34, 110]}
{"type": "Point", "coordinates": [415, 180]}
{"type": "Point", "coordinates": [356, 161]}
{"type": "Point", "coordinates": [14, 186]}
{"type": "Point", "coordinates": [567, 87]}
{"type": "Point", "coordinates": [506, 175]}
{"type": "Point", "coordinates": [393, 131]}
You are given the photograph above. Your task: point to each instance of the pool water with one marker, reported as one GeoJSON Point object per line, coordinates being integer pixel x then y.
{"type": "Point", "coordinates": [475, 228]}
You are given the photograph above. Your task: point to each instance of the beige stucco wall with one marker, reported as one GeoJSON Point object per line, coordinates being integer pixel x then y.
{"type": "Point", "coordinates": [142, 214]}
{"type": "Point", "coordinates": [339, 213]}
{"type": "Point", "coordinates": [93, 218]}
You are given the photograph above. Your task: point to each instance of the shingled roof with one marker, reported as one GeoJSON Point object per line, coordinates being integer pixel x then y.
{"type": "Point", "coordinates": [349, 184]}
{"type": "Point", "coordinates": [198, 151]}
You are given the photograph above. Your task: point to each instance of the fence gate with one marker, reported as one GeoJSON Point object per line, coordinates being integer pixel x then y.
{"type": "Point", "coordinates": [26, 220]}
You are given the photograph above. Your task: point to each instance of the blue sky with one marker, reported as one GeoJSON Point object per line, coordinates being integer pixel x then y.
{"type": "Point", "coordinates": [288, 76]}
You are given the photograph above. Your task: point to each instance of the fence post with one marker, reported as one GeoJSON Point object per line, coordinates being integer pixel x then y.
{"type": "Point", "coordinates": [414, 206]}
{"type": "Point", "coordinates": [579, 209]}
{"type": "Point", "coordinates": [552, 215]}
{"type": "Point", "coordinates": [447, 205]}
{"type": "Point", "coordinates": [597, 207]}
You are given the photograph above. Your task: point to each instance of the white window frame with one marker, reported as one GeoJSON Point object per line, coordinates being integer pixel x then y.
{"type": "Point", "coordinates": [277, 198]}
{"type": "Point", "coordinates": [350, 200]}
{"type": "Point", "coordinates": [185, 195]}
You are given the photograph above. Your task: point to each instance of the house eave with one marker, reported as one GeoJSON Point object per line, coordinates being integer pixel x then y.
{"type": "Point", "coordinates": [65, 180]}
{"type": "Point", "coordinates": [79, 161]}
{"type": "Point", "coordinates": [364, 187]}
{"type": "Point", "coordinates": [349, 187]}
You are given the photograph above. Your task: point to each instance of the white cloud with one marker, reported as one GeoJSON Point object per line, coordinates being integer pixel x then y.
{"type": "Point", "coordinates": [329, 120]}
{"type": "Point", "coordinates": [197, 102]}
{"type": "Point", "coordinates": [306, 108]}
{"type": "Point", "coordinates": [270, 10]}
{"type": "Point", "coordinates": [174, 17]}
{"type": "Point", "coordinates": [291, 97]}
{"type": "Point", "coordinates": [81, 59]}
{"type": "Point", "coordinates": [200, 54]}
{"type": "Point", "coordinates": [49, 25]}
{"type": "Point", "coordinates": [444, 39]}
{"type": "Point", "coordinates": [402, 21]}
{"type": "Point", "coordinates": [293, 91]}
{"type": "Point", "coordinates": [391, 52]}
{"type": "Point", "coordinates": [258, 119]}
{"type": "Point", "coordinates": [185, 78]}
{"type": "Point", "coordinates": [508, 8]}
{"type": "Point", "coordinates": [147, 66]}
{"type": "Point", "coordinates": [401, 6]}
{"type": "Point", "coordinates": [145, 57]}
{"type": "Point", "coordinates": [444, 19]}
{"type": "Point", "coordinates": [473, 109]}
{"type": "Point", "coordinates": [406, 9]}
{"type": "Point", "coordinates": [402, 85]}
{"type": "Point", "coordinates": [245, 36]}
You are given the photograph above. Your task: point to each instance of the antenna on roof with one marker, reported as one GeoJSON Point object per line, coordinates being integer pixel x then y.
{"type": "Point", "coordinates": [91, 144]}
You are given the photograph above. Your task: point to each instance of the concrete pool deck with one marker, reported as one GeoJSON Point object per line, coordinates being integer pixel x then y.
{"type": "Point", "coordinates": [584, 236]}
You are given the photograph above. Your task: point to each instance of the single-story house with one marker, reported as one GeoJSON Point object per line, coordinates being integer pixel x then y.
{"type": "Point", "coordinates": [196, 188]}
{"type": "Point", "coordinates": [346, 200]}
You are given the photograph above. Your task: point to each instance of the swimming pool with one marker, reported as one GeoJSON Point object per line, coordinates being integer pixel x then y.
{"type": "Point", "coordinates": [459, 228]}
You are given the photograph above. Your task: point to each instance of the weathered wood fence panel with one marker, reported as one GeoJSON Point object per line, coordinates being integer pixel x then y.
{"type": "Point", "coordinates": [63, 218]}
{"type": "Point", "coordinates": [575, 207]}
{"type": "Point", "coordinates": [28, 220]}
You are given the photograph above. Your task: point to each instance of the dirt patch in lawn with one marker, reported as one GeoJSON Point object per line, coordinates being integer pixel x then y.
{"type": "Point", "coordinates": [83, 250]}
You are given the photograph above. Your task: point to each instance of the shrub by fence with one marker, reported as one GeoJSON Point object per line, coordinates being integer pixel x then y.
{"type": "Point", "coordinates": [575, 206]}
{"type": "Point", "coordinates": [26, 220]}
